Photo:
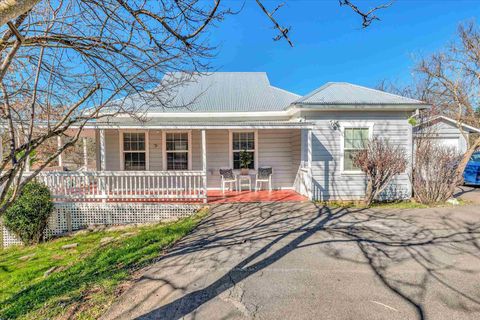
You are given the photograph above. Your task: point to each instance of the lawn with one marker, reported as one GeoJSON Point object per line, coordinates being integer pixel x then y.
{"type": "Point", "coordinates": [407, 204]}
{"type": "Point", "coordinates": [87, 278]}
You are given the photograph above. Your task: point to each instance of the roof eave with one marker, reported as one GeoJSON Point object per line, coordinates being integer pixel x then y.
{"type": "Point", "coordinates": [468, 128]}
{"type": "Point", "coordinates": [357, 106]}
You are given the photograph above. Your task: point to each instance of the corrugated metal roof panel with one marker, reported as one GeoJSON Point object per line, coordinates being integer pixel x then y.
{"type": "Point", "coordinates": [342, 93]}
{"type": "Point", "coordinates": [213, 92]}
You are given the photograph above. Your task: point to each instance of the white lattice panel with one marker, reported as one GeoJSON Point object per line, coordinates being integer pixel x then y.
{"type": "Point", "coordinates": [78, 215]}
{"type": "Point", "coordinates": [8, 238]}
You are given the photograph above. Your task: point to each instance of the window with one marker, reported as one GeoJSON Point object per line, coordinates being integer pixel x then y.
{"type": "Point", "coordinates": [177, 149]}
{"type": "Point", "coordinates": [134, 152]}
{"type": "Point", "coordinates": [243, 141]}
{"type": "Point", "coordinates": [355, 139]}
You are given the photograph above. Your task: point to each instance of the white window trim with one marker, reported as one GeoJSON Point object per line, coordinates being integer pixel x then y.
{"type": "Point", "coordinates": [164, 147]}
{"type": "Point", "coordinates": [349, 125]}
{"type": "Point", "coordinates": [230, 147]}
{"type": "Point", "coordinates": [147, 147]}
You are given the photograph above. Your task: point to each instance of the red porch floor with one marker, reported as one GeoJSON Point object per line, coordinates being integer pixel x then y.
{"type": "Point", "coordinates": [216, 196]}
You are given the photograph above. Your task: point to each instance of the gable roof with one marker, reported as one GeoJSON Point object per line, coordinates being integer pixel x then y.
{"type": "Point", "coordinates": [343, 93]}
{"type": "Point", "coordinates": [454, 122]}
{"type": "Point", "coordinates": [213, 92]}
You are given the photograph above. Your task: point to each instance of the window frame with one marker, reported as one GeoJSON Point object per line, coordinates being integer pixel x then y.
{"type": "Point", "coordinates": [255, 145]}
{"type": "Point", "coordinates": [164, 148]}
{"type": "Point", "coordinates": [352, 125]}
{"type": "Point", "coordinates": [122, 151]}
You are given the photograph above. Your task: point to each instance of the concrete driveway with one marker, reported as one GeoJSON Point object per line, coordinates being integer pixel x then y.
{"type": "Point", "coordinates": [299, 261]}
{"type": "Point", "coordinates": [468, 193]}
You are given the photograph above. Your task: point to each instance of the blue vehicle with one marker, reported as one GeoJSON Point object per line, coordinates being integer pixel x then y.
{"type": "Point", "coordinates": [471, 175]}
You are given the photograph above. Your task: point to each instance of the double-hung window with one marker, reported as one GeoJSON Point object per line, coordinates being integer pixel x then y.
{"type": "Point", "coordinates": [355, 140]}
{"type": "Point", "coordinates": [134, 151]}
{"type": "Point", "coordinates": [243, 141]}
{"type": "Point", "coordinates": [177, 150]}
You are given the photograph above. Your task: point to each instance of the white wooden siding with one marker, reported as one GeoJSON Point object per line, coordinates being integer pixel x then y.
{"type": "Point", "coordinates": [444, 130]}
{"type": "Point", "coordinates": [155, 151]}
{"type": "Point", "coordinates": [279, 148]}
{"type": "Point", "coordinates": [275, 150]}
{"type": "Point", "coordinates": [329, 182]}
{"type": "Point", "coordinates": [112, 150]}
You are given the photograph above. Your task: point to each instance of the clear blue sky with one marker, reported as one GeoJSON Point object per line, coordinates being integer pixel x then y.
{"type": "Point", "coordinates": [330, 44]}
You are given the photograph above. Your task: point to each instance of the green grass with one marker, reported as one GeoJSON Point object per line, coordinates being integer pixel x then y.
{"type": "Point", "coordinates": [407, 204]}
{"type": "Point", "coordinates": [88, 277]}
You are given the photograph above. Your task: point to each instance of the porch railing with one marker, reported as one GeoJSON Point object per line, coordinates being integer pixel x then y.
{"type": "Point", "coordinates": [126, 185]}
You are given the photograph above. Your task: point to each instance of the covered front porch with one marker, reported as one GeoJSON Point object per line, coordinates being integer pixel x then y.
{"type": "Point", "coordinates": [170, 164]}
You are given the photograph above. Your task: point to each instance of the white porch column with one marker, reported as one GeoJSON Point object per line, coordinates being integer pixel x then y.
{"type": "Point", "coordinates": [309, 164]}
{"type": "Point", "coordinates": [85, 153]}
{"type": "Point", "coordinates": [103, 166]}
{"type": "Point", "coordinates": [103, 161]}
{"type": "Point", "coordinates": [204, 163]}
{"type": "Point", "coordinates": [59, 146]}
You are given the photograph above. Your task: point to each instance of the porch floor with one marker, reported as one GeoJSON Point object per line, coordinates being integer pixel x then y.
{"type": "Point", "coordinates": [213, 197]}
{"type": "Point", "coordinates": [216, 196]}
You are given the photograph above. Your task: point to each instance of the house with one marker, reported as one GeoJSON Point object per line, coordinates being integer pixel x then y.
{"type": "Point", "coordinates": [445, 131]}
{"type": "Point", "coordinates": [174, 152]}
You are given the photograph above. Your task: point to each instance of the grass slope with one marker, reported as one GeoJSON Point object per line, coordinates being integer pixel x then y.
{"type": "Point", "coordinates": [87, 276]}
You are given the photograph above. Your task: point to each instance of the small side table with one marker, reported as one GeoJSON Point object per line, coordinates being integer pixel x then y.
{"type": "Point", "coordinates": [244, 180]}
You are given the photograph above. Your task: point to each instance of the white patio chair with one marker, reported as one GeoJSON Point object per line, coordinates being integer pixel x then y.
{"type": "Point", "coordinates": [264, 175]}
{"type": "Point", "coordinates": [228, 177]}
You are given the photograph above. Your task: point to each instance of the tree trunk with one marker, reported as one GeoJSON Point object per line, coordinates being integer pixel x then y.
{"type": "Point", "coordinates": [11, 9]}
{"type": "Point", "coordinates": [463, 164]}
{"type": "Point", "coordinates": [367, 201]}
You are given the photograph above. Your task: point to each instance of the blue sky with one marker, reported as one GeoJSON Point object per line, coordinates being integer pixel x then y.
{"type": "Point", "coordinates": [330, 44]}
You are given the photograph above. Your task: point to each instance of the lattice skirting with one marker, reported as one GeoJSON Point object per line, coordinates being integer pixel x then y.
{"type": "Point", "coordinates": [72, 216]}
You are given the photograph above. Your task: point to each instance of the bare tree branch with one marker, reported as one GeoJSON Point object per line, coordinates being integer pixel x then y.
{"type": "Point", "coordinates": [283, 31]}
{"type": "Point", "coordinates": [368, 17]}
{"type": "Point", "coordinates": [11, 9]}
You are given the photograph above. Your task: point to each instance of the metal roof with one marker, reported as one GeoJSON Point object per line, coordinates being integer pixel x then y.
{"type": "Point", "coordinates": [342, 93]}
{"type": "Point", "coordinates": [455, 123]}
{"type": "Point", "coordinates": [212, 92]}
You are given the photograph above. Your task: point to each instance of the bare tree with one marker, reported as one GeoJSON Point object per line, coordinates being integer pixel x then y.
{"type": "Point", "coordinates": [434, 177]}
{"type": "Point", "coordinates": [381, 161]}
{"type": "Point", "coordinates": [65, 63]}
{"type": "Point", "coordinates": [453, 77]}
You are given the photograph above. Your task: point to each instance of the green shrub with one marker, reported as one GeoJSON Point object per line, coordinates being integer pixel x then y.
{"type": "Point", "coordinates": [27, 217]}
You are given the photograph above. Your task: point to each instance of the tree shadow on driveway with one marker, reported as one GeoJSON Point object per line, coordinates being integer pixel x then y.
{"type": "Point", "coordinates": [433, 243]}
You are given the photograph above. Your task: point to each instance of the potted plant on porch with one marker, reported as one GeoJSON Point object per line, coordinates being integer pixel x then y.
{"type": "Point", "coordinates": [245, 161]}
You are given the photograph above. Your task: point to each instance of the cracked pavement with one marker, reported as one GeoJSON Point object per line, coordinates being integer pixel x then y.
{"type": "Point", "coordinates": [299, 261]}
